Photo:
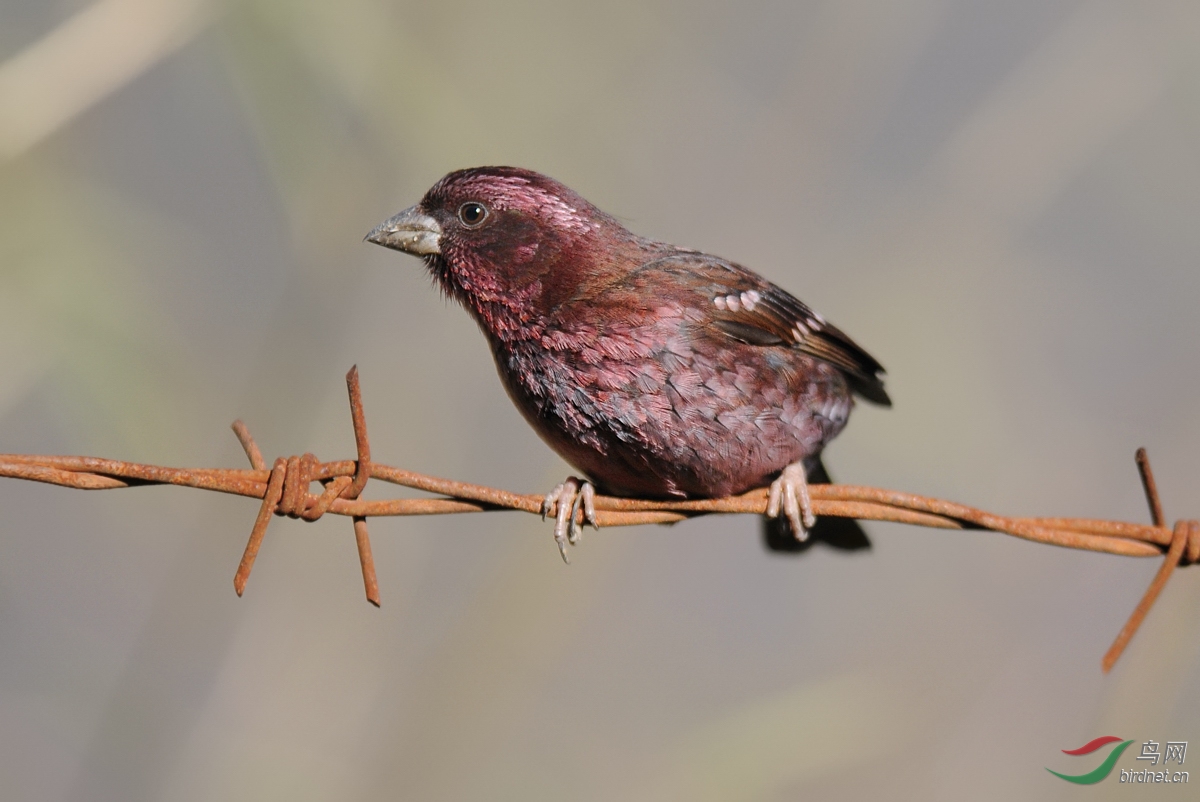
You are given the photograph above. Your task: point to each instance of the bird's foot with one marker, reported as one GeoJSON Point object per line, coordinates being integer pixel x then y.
{"type": "Point", "coordinates": [563, 502]}
{"type": "Point", "coordinates": [790, 491]}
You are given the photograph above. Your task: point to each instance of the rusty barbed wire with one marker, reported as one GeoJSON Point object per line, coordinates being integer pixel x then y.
{"type": "Point", "coordinates": [285, 489]}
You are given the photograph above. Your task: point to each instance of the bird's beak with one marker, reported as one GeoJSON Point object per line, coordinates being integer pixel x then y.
{"type": "Point", "coordinates": [411, 231]}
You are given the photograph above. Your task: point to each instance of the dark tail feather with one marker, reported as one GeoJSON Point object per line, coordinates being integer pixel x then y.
{"type": "Point", "coordinates": [843, 534]}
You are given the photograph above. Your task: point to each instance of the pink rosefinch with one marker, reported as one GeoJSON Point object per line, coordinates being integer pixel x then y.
{"type": "Point", "coordinates": [657, 371]}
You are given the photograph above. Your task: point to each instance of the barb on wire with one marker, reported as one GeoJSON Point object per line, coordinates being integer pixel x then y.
{"type": "Point", "coordinates": [285, 489]}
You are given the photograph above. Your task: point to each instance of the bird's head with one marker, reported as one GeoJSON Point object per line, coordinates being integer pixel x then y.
{"type": "Point", "coordinates": [508, 243]}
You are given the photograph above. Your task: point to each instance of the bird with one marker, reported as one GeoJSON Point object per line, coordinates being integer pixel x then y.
{"type": "Point", "coordinates": [656, 371]}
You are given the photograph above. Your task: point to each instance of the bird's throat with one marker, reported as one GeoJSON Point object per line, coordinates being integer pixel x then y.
{"type": "Point", "coordinates": [505, 314]}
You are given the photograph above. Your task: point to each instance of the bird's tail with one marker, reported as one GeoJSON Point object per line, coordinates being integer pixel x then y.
{"type": "Point", "coordinates": [844, 534]}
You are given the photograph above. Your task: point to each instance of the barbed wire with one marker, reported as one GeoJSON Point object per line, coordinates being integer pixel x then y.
{"type": "Point", "coordinates": [285, 489]}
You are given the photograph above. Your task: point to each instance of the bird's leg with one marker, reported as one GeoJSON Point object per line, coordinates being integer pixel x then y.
{"type": "Point", "coordinates": [790, 491]}
{"type": "Point", "coordinates": [564, 501]}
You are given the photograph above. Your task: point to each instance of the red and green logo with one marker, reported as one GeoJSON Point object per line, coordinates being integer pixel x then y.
{"type": "Point", "coordinates": [1104, 769]}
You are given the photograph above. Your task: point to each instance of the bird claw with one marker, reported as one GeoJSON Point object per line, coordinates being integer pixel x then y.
{"type": "Point", "coordinates": [790, 491]}
{"type": "Point", "coordinates": [564, 501]}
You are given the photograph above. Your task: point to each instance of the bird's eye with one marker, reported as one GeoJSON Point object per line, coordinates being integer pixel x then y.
{"type": "Point", "coordinates": [472, 214]}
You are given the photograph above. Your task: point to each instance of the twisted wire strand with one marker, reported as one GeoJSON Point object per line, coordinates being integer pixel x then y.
{"type": "Point", "coordinates": [285, 489]}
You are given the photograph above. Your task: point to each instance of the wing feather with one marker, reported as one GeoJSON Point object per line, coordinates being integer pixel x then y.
{"type": "Point", "coordinates": [752, 310]}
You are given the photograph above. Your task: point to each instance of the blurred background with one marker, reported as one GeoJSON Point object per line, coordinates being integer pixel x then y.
{"type": "Point", "coordinates": [998, 200]}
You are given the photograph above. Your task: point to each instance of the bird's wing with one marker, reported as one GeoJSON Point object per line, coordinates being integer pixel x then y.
{"type": "Point", "coordinates": [748, 308]}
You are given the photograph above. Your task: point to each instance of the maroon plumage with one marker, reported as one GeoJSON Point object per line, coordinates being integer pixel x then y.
{"type": "Point", "coordinates": [656, 370]}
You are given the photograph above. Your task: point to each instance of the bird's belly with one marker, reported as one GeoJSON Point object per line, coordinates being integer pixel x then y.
{"type": "Point", "coordinates": [672, 428]}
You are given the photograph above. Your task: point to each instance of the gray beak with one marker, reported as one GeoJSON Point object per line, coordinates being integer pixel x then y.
{"type": "Point", "coordinates": [411, 231]}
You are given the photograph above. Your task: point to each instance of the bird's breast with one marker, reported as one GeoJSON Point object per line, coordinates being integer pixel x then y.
{"type": "Point", "coordinates": [655, 410]}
